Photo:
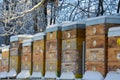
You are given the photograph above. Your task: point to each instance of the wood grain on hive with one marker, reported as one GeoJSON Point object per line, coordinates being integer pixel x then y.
{"type": "Point", "coordinates": [53, 49]}
{"type": "Point", "coordinates": [1, 60]}
{"type": "Point", "coordinates": [16, 51]}
{"type": "Point", "coordinates": [39, 53]}
{"type": "Point", "coordinates": [5, 58]}
{"type": "Point", "coordinates": [114, 49]}
{"type": "Point", "coordinates": [97, 41]}
{"type": "Point", "coordinates": [73, 35]}
{"type": "Point", "coordinates": [26, 56]}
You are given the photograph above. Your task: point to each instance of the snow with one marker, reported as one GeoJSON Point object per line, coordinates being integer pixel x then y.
{"type": "Point", "coordinates": [103, 19]}
{"type": "Point", "coordinates": [92, 75]}
{"type": "Point", "coordinates": [39, 36]}
{"type": "Point", "coordinates": [16, 37]}
{"type": "Point", "coordinates": [5, 48]}
{"type": "Point", "coordinates": [71, 25]}
{"type": "Point", "coordinates": [114, 28]}
{"type": "Point", "coordinates": [12, 73]}
{"type": "Point", "coordinates": [24, 74]}
{"type": "Point", "coordinates": [50, 75]}
{"type": "Point", "coordinates": [67, 75]}
{"type": "Point", "coordinates": [112, 75]}
{"type": "Point", "coordinates": [27, 42]}
{"type": "Point", "coordinates": [36, 75]}
{"type": "Point", "coordinates": [68, 23]}
{"type": "Point", "coordinates": [52, 26]}
{"type": "Point", "coordinates": [114, 31]}
{"type": "Point", "coordinates": [3, 74]}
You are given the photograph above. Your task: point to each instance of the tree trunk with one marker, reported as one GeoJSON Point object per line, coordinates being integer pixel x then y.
{"type": "Point", "coordinates": [40, 17]}
{"type": "Point", "coordinates": [118, 9]}
{"type": "Point", "coordinates": [100, 8]}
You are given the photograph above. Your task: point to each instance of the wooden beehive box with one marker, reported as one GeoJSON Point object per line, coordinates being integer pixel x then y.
{"type": "Point", "coordinates": [100, 25]}
{"type": "Point", "coordinates": [39, 53]}
{"type": "Point", "coordinates": [53, 48]}
{"type": "Point", "coordinates": [96, 37]}
{"type": "Point", "coordinates": [5, 58]}
{"type": "Point", "coordinates": [114, 49]}
{"type": "Point", "coordinates": [16, 50]}
{"type": "Point", "coordinates": [27, 53]}
{"type": "Point", "coordinates": [53, 32]}
{"type": "Point", "coordinates": [73, 30]}
{"type": "Point", "coordinates": [15, 63]}
{"type": "Point", "coordinates": [0, 60]}
{"type": "Point", "coordinates": [96, 66]}
{"type": "Point", "coordinates": [71, 56]}
{"type": "Point", "coordinates": [95, 41]}
{"type": "Point", "coordinates": [95, 54]}
{"type": "Point", "coordinates": [75, 43]}
{"type": "Point", "coordinates": [73, 35]}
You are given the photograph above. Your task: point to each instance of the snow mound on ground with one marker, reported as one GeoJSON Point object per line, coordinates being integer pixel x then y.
{"type": "Point", "coordinates": [93, 75]}
{"type": "Point", "coordinates": [67, 75]}
{"type": "Point", "coordinates": [112, 75]}
{"type": "Point", "coordinates": [12, 73]}
{"type": "Point", "coordinates": [24, 74]}
{"type": "Point", "coordinates": [50, 75]}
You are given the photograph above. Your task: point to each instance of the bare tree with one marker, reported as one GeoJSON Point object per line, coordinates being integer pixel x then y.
{"type": "Point", "coordinates": [118, 9]}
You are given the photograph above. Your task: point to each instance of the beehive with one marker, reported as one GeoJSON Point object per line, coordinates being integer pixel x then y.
{"type": "Point", "coordinates": [0, 60]}
{"type": "Point", "coordinates": [73, 35]}
{"type": "Point", "coordinates": [53, 49]}
{"type": "Point", "coordinates": [96, 41]}
{"type": "Point", "coordinates": [16, 50]}
{"type": "Point", "coordinates": [114, 49]}
{"type": "Point", "coordinates": [26, 59]}
{"type": "Point", "coordinates": [39, 53]}
{"type": "Point", "coordinates": [5, 58]}
{"type": "Point", "coordinates": [27, 53]}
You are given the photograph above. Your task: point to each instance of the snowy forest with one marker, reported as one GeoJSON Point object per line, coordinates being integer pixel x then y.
{"type": "Point", "coordinates": [32, 16]}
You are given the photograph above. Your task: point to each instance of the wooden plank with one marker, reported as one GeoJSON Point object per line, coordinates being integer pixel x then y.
{"type": "Point", "coordinates": [71, 56]}
{"type": "Point", "coordinates": [95, 41]}
{"type": "Point", "coordinates": [96, 66]}
{"type": "Point", "coordinates": [96, 54]}
{"type": "Point", "coordinates": [73, 33]}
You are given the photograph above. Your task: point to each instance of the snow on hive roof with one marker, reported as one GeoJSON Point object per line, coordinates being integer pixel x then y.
{"type": "Point", "coordinates": [112, 75]}
{"type": "Point", "coordinates": [114, 31]}
{"type": "Point", "coordinates": [67, 75]}
{"type": "Point", "coordinates": [17, 37]}
{"type": "Point", "coordinates": [12, 73]}
{"type": "Point", "coordinates": [5, 48]}
{"type": "Point", "coordinates": [71, 25]}
{"type": "Point", "coordinates": [39, 36]}
{"type": "Point", "coordinates": [53, 27]}
{"type": "Point", "coordinates": [27, 42]}
{"type": "Point", "coordinates": [114, 28]}
{"type": "Point", "coordinates": [3, 74]}
{"type": "Point", "coordinates": [93, 75]}
{"type": "Point", "coordinates": [114, 19]}
{"type": "Point", "coordinates": [24, 74]}
{"type": "Point", "coordinates": [50, 75]}
{"type": "Point", "coordinates": [36, 75]}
